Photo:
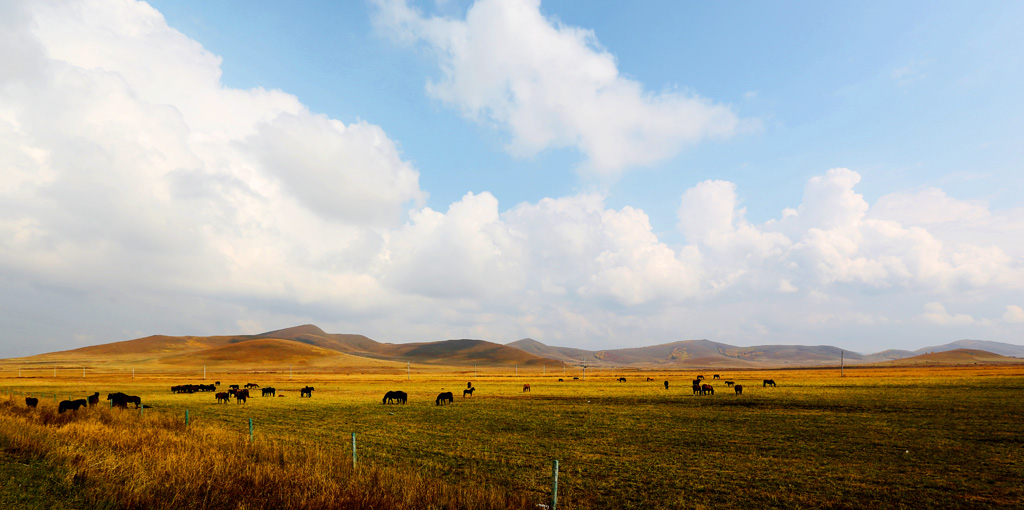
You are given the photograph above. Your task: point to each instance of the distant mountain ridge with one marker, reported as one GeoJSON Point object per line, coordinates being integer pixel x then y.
{"type": "Point", "coordinates": [309, 345]}
{"type": "Point", "coordinates": [705, 353]}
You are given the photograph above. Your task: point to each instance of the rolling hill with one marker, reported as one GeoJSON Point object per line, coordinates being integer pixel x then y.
{"type": "Point", "coordinates": [309, 345]}
{"type": "Point", "coordinates": [953, 357]}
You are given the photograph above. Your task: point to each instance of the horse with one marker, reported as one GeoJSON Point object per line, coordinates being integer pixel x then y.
{"type": "Point", "coordinates": [252, 385]}
{"type": "Point", "coordinates": [706, 388]}
{"type": "Point", "coordinates": [715, 377]}
{"type": "Point", "coordinates": [526, 387]}
{"type": "Point", "coordinates": [444, 397]}
{"type": "Point", "coordinates": [700, 377]}
{"type": "Point", "coordinates": [666, 385]}
{"type": "Point", "coordinates": [468, 392]}
{"type": "Point", "coordinates": [390, 396]}
{"type": "Point", "coordinates": [768, 382]}
{"type": "Point", "coordinates": [575, 378]}
{"type": "Point", "coordinates": [622, 379]}
{"type": "Point", "coordinates": [121, 400]}
{"type": "Point", "coordinates": [730, 383]}
{"type": "Point", "coordinates": [72, 405]}
{"type": "Point", "coordinates": [241, 396]}
{"type": "Point", "coordinates": [739, 389]}
{"type": "Point", "coordinates": [31, 401]}
{"type": "Point", "coordinates": [696, 389]}
{"type": "Point", "coordinates": [93, 399]}
{"type": "Point", "coordinates": [233, 387]}
{"type": "Point", "coordinates": [224, 397]}
{"type": "Point", "coordinates": [560, 380]}
{"type": "Point", "coordinates": [216, 383]}
{"type": "Point", "coordinates": [402, 397]}
{"type": "Point", "coordinates": [269, 391]}
{"type": "Point", "coordinates": [306, 392]}
{"type": "Point", "coordinates": [649, 379]}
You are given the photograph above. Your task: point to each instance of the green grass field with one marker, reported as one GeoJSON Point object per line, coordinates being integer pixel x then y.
{"type": "Point", "coordinates": [878, 438]}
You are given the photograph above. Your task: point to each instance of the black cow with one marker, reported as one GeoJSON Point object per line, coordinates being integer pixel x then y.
{"type": "Point", "coordinates": [31, 401]}
{"type": "Point", "coordinates": [444, 398]}
{"type": "Point", "coordinates": [306, 392]}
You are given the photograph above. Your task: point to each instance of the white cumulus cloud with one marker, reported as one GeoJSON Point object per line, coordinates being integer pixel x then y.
{"type": "Point", "coordinates": [552, 85]}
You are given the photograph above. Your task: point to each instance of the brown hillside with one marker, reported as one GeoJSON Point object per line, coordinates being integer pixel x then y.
{"type": "Point", "coordinates": [463, 352]}
{"type": "Point", "coordinates": [953, 357]}
{"type": "Point", "coordinates": [265, 351]}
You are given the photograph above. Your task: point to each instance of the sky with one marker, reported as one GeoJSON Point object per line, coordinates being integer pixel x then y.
{"type": "Point", "coordinates": [591, 174]}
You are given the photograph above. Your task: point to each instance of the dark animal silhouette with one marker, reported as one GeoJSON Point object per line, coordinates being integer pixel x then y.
{"type": "Point", "coordinates": [399, 396]}
{"type": "Point", "coordinates": [768, 382]}
{"type": "Point", "coordinates": [700, 377]}
{"type": "Point", "coordinates": [666, 385]}
{"type": "Point", "coordinates": [269, 391]}
{"type": "Point", "coordinates": [715, 377]}
{"type": "Point", "coordinates": [575, 378]}
{"type": "Point", "coordinates": [469, 384]}
{"type": "Point", "coordinates": [122, 400]}
{"type": "Point", "coordinates": [622, 379]}
{"type": "Point", "coordinates": [468, 392]}
{"type": "Point", "coordinates": [72, 405]}
{"type": "Point", "coordinates": [706, 388]}
{"type": "Point", "coordinates": [560, 380]}
{"type": "Point", "coordinates": [93, 399]}
{"type": "Point", "coordinates": [526, 387]}
{"type": "Point", "coordinates": [729, 383]}
{"type": "Point", "coordinates": [31, 401]}
{"type": "Point", "coordinates": [739, 389]}
{"type": "Point", "coordinates": [223, 397]}
{"type": "Point", "coordinates": [306, 392]}
{"type": "Point", "coordinates": [241, 396]}
{"type": "Point", "coordinates": [649, 379]}
{"type": "Point", "coordinates": [233, 386]}
{"type": "Point", "coordinates": [696, 382]}
{"type": "Point", "coordinates": [216, 383]}
{"type": "Point", "coordinates": [444, 398]}
{"type": "Point", "coordinates": [696, 388]}
{"type": "Point", "coordinates": [252, 385]}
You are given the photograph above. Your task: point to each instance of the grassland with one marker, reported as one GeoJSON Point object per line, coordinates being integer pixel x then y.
{"type": "Point", "coordinates": [888, 437]}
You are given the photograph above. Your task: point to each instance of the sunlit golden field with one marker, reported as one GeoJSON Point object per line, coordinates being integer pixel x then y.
{"type": "Point", "coordinates": [878, 437]}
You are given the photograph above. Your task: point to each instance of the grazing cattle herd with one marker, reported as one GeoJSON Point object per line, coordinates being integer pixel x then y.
{"type": "Point", "coordinates": [241, 395]}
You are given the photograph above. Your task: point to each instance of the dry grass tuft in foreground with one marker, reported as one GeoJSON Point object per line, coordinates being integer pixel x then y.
{"type": "Point", "coordinates": [118, 459]}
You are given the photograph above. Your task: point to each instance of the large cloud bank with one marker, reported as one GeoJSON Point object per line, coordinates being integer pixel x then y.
{"type": "Point", "coordinates": [551, 85]}
{"type": "Point", "coordinates": [140, 195]}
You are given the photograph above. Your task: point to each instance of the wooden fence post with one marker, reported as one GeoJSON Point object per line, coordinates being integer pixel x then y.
{"type": "Point", "coordinates": [554, 486]}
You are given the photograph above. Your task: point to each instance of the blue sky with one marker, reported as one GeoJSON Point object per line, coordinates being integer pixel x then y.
{"type": "Point", "coordinates": [591, 174]}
